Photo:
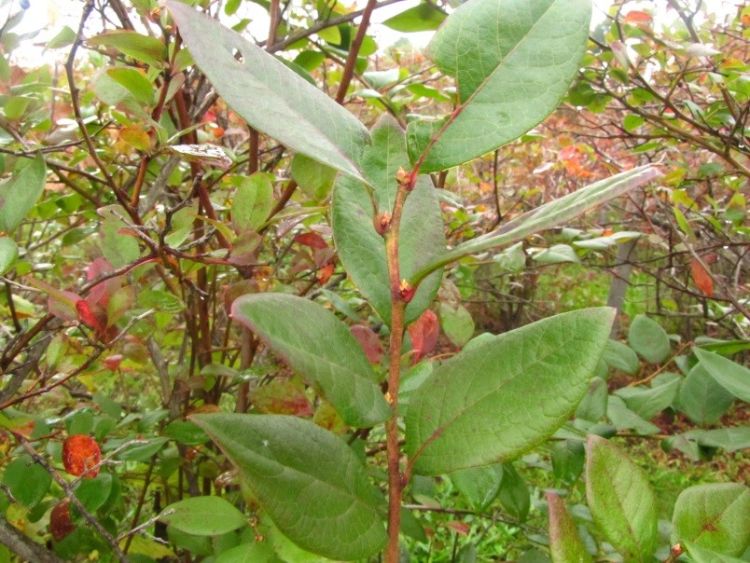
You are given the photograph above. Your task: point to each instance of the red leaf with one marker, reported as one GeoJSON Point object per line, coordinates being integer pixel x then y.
{"type": "Point", "coordinates": [313, 240]}
{"type": "Point", "coordinates": [81, 456]}
{"type": "Point", "coordinates": [113, 362]}
{"type": "Point", "coordinates": [702, 278]}
{"type": "Point", "coordinates": [637, 16]}
{"type": "Point", "coordinates": [60, 522]}
{"type": "Point", "coordinates": [93, 316]}
{"type": "Point", "coordinates": [325, 273]}
{"type": "Point", "coordinates": [424, 333]}
{"type": "Point", "coordinates": [459, 527]}
{"type": "Point", "coordinates": [369, 341]}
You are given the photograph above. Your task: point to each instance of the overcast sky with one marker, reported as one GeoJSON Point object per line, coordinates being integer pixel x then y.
{"type": "Point", "coordinates": [47, 17]}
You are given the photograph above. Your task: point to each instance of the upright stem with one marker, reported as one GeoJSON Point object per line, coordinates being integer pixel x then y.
{"type": "Point", "coordinates": [399, 298]}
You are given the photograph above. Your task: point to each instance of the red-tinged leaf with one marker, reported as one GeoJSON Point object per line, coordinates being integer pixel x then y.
{"type": "Point", "coordinates": [281, 396]}
{"type": "Point", "coordinates": [565, 543]}
{"type": "Point", "coordinates": [92, 316]}
{"type": "Point", "coordinates": [424, 333]}
{"type": "Point", "coordinates": [324, 274]}
{"type": "Point", "coordinates": [62, 304]}
{"type": "Point", "coordinates": [636, 16]}
{"type": "Point", "coordinates": [313, 240]}
{"type": "Point", "coordinates": [81, 456]}
{"type": "Point", "coordinates": [113, 362]}
{"type": "Point", "coordinates": [459, 527]}
{"type": "Point", "coordinates": [369, 341]}
{"type": "Point", "coordinates": [101, 292]}
{"type": "Point", "coordinates": [60, 521]}
{"type": "Point", "coordinates": [702, 278]}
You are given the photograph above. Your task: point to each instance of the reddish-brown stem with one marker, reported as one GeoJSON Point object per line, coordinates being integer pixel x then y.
{"type": "Point", "coordinates": [396, 481]}
{"type": "Point", "coordinates": [351, 60]}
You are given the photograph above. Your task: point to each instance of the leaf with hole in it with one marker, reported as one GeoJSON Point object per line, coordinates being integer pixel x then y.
{"type": "Point", "coordinates": [140, 47]}
{"type": "Point", "coordinates": [355, 211]}
{"type": "Point", "coordinates": [546, 216]}
{"type": "Point", "coordinates": [321, 348]}
{"type": "Point", "coordinates": [500, 398]}
{"type": "Point", "coordinates": [271, 97]}
{"type": "Point", "coordinates": [621, 500]}
{"type": "Point", "coordinates": [732, 376]}
{"type": "Point", "coordinates": [714, 516]}
{"type": "Point", "coordinates": [203, 516]}
{"type": "Point", "coordinates": [565, 543]}
{"type": "Point", "coordinates": [513, 61]}
{"type": "Point", "coordinates": [649, 339]}
{"type": "Point", "coordinates": [291, 463]}
{"type": "Point", "coordinates": [18, 195]}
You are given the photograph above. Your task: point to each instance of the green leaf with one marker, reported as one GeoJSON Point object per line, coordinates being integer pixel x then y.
{"type": "Point", "coordinates": [513, 61]}
{"type": "Point", "coordinates": [424, 17]}
{"type": "Point", "coordinates": [253, 201]}
{"type": "Point", "coordinates": [647, 402]}
{"type": "Point", "coordinates": [8, 254]}
{"type": "Point", "coordinates": [702, 398]}
{"type": "Point", "coordinates": [66, 36]}
{"type": "Point", "coordinates": [261, 552]}
{"type": "Point", "coordinates": [621, 356]}
{"type": "Point", "coordinates": [593, 406]}
{"type": "Point", "coordinates": [290, 463]}
{"type": "Point", "coordinates": [27, 481]}
{"type": "Point", "coordinates": [134, 82]}
{"type": "Point", "coordinates": [140, 47]}
{"type": "Point", "coordinates": [93, 493]}
{"type": "Point", "coordinates": [271, 97]}
{"type": "Point", "coordinates": [203, 516]}
{"type": "Point", "coordinates": [732, 376]}
{"type": "Point", "coordinates": [514, 495]}
{"type": "Point", "coordinates": [729, 439]}
{"type": "Point", "coordinates": [315, 179]}
{"type": "Point", "coordinates": [715, 517]}
{"type": "Point", "coordinates": [502, 397]}
{"type": "Point", "coordinates": [623, 418]}
{"type": "Point", "coordinates": [621, 500]}
{"type": "Point", "coordinates": [142, 452]}
{"type": "Point", "coordinates": [19, 194]}
{"type": "Point", "coordinates": [701, 555]}
{"type": "Point", "coordinates": [321, 348]}
{"type": "Point", "coordinates": [565, 543]}
{"type": "Point", "coordinates": [479, 485]}
{"type": "Point", "coordinates": [649, 339]}
{"type": "Point", "coordinates": [457, 323]}
{"type": "Point", "coordinates": [362, 249]}
{"type": "Point", "coordinates": [546, 216]}
{"type": "Point", "coordinates": [119, 249]}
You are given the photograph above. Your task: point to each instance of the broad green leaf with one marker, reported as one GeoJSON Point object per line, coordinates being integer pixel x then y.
{"type": "Point", "coordinates": [565, 543]}
{"type": "Point", "coordinates": [729, 439]}
{"type": "Point", "coordinates": [702, 398]}
{"type": "Point", "coordinates": [732, 376]}
{"type": "Point", "coordinates": [649, 339]}
{"type": "Point", "coordinates": [321, 348]}
{"type": "Point", "coordinates": [354, 212]}
{"type": "Point", "coordinates": [715, 517]}
{"type": "Point", "coordinates": [621, 500]}
{"type": "Point", "coordinates": [66, 36]}
{"type": "Point", "coordinates": [502, 397]}
{"type": "Point", "coordinates": [457, 323]}
{"type": "Point", "coordinates": [27, 481]}
{"type": "Point", "coordinates": [142, 452]}
{"type": "Point", "coordinates": [118, 248]}
{"type": "Point", "coordinates": [134, 82]}
{"type": "Point", "coordinates": [19, 194]}
{"type": "Point", "coordinates": [593, 406]}
{"type": "Point", "coordinates": [423, 17]}
{"type": "Point", "coordinates": [261, 552]}
{"type": "Point", "coordinates": [623, 418]}
{"type": "Point", "coordinates": [647, 402]}
{"type": "Point", "coordinates": [479, 485]}
{"type": "Point", "coordinates": [313, 178]}
{"type": "Point", "coordinates": [140, 47]}
{"type": "Point", "coordinates": [546, 216]}
{"type": "Point", "coordinates": [310, 483]}
{"type": "Point", "coordinates": [93, 493]}
{"type": "Point", "coordinates": [8, 254]}
{"type": "Point", "coordinates": [252, 202]}
{"type": "Point", "coordinates": [702, 555]}
{"type": "Point", "coordinates": [621, 356]}
{"type": "Point", "coordinates": [271, 97]}
{"type": "Point", "coordinates": [203, 516]}
{"type": "Point", "coordinates": [513, 61]}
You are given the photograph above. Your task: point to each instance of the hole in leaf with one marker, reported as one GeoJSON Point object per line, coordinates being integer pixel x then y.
{"type": "Point", "coordinates": [238, 56]}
